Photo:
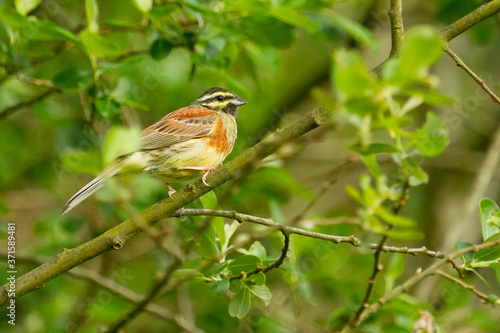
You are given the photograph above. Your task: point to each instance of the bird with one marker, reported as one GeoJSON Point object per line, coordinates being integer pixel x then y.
{"type": "Point", "coordinates": [187, 143]}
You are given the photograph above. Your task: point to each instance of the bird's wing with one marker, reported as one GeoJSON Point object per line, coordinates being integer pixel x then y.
{"type": "Point", "coordinates": [181, 125]}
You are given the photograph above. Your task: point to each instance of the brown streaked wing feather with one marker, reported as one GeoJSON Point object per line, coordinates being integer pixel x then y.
{"type": "Point", "coordinates": [178, 126]}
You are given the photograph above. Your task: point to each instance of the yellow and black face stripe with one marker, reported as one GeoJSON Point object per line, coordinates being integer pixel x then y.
{"type": "Point", "coordinates": [219, 99]}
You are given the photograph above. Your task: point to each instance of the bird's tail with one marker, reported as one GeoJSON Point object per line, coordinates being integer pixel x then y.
{"type": "Point", "coordinates": [92, 187]}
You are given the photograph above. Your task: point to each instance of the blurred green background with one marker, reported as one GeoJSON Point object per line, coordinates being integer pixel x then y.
{"type": "Point", "coordinates": [71, 70]}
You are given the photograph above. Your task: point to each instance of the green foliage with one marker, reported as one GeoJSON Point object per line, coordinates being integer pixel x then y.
{"type": "Point", "coordinates": [490, 218]}
{"type": "Point", "coordinates": [120, 142]}
{"type": "Point", "coordinates": [83, 83]}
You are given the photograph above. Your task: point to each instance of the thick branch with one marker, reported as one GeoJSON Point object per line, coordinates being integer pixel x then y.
{"type": "Point", "coordinates": [117, 236]}
{"type": "Point", "coordinates": [397, 29]}
{"type": "Point", "coordinates": [470, 20]}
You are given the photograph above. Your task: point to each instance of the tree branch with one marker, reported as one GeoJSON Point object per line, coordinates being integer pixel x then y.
{"type": "Point", "coordinates": [470, 20]}
{"type": "Point", "coordinates": [292, 230]}
{"type": "Point", "coordinates": [397, 29]}
{"type": "Point", "coordinates": [116, 289]}
{"type": "Point", "coordinates": [476, 78]}
{"type": "Point", "coordinates": [117, 236]}
{"type": "Point", "coordinates": [272, 265]}
{"type": "Point", "coordinates": [268, 222]}
{"type": "Point", "coordinates": [456, 28]}
{"type": "Point", "coordinates": [377, 267]}
{"type": "Point", "coordinates": [14, 108]}
{"type": "Point", "coordinates": [414, 280]}
{"type": "Point", "coordinates": [483, 297]}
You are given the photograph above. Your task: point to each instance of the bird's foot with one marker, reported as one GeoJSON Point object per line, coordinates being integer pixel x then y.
{"type": "Point", "coordinates": [171, 190]}
{"type": "Point", "coordinates": [206, 169]}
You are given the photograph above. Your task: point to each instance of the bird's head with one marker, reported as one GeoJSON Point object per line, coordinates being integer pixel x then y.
{"type": "Point", "coordinates": [220, 99]}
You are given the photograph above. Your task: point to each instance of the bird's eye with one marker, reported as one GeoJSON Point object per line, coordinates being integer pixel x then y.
{"type": "Point", "coordinates": [220, 98]}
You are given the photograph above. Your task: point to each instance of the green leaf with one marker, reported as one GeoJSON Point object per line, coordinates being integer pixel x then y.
{"type": "Point", "coordinates": [257, 28]}
{"type": "Point", "coordinates": [82, 161]}
{"type": "Point", "coordinates": [489, 256]}
{"type": "Point", "coordinates": [258, 250]}
{"type": "Point", "coordinates": [258, 279]}
{"type": "Point", "coordinates": [421, 48]}
{"type": "Point", "coordinates": [26, 6]}
{"type": "Point", "coordinates": [372, 165]}
{"type": "Point", "coordinates": [496, 267]}
{"type": "Point", "coordinates": [262, 292]}
{"type": "Point", "coordinates": [352, 77]}
{"type": "Point", "coordinates": [414, 172]}
{"type": "Point", "coordinates": [357, 31]}
{"type": "Point", "coordinates": [74, 79]}
{"type": "Point", "coordinates": [219, 286]}
{"type": "Point", "coordinates": [209, 200]}
{"type": "Point", "coordinates": [98, 45]}
{"type": "Point", "coordinates": [92, 11]}
{"type": "Point", "coordinates": [433, 138]}
{"type": "Point", "coordinates": [493, 299]}
{"type": "Point", "coordinates": [245, 263]}
{"type": "Point", "coordinates": [392, 219]}
{"type": "Point", "coordinates": [197, 7]}
{"type": "Point", "coordinates": [206, 247]}
{"type": "Point", "coordinates": [374, 148]}
{"type": "Point", "coordinates": [12, 18]}
{"type": "Point", "coordinates": [46, 30]}
{"type": "Point", "coordinates": [488, 210]}
{"type": "Point", "coordinates": [160, 49]}
{"type": "Point", "coordinates": [240, 304]}
{"type": "Point", "coordinates": [295, 18]}
{"type": "Point", "coordinates": [361, 106]}
{"type": "Point", "coordinates": [394, 270]}
{"type": "Point", "coordinates": [468, 257]}
{"type": "Point", "coordinates": [143, 5]}
{"type": "Point", "coordinates": [429, 96]}
{"type": "Point", "coordinates": [107, 107]}
{"type": "Point", "coordinates": [219, 227]}
{"type": "Point", "coordinates": [120, 141]}
{"type": "Point", "coordinates": [354, 193]}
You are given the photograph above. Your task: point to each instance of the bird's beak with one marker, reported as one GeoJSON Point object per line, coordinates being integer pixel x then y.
{"type": "Point", "coordinates": [238, 101]}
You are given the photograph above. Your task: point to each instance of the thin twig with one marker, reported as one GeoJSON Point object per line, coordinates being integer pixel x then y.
{"type": "Point", "coordinates": [274, 264]}
{"type": "Point", "coordinates": [483, 297]}
{"type": "Point", "coordinates": [292, 230]}
{"type": "Point", "coordinates": [141, 306]}
{"type": "Point", "coordinates": [267, 222]}
{"type": "Point", "coordinates": [417, 277]}
{"type": "Point", "coordinates": [476, 78]}
{"type": "Point", "coordinates": [14, 108]}
{"type": "Point", "coordinates": [377, 267]}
